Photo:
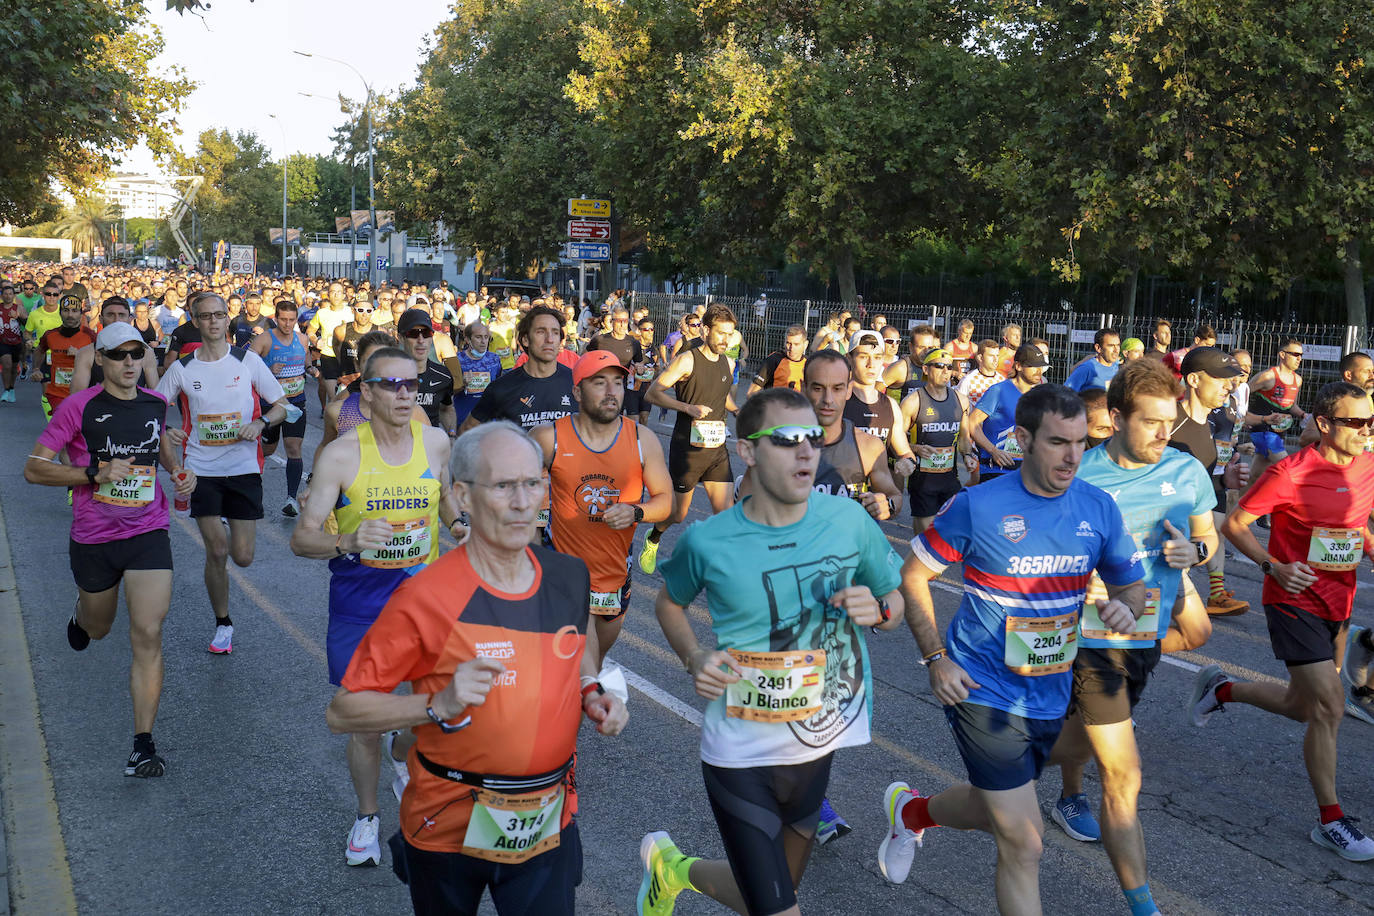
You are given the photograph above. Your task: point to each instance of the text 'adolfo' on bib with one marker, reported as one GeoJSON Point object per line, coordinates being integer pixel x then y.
{"type": "Point", "coordinates": [1037, 646]}
{"type": "Point", "coordinates": [1335, 549]}
{"type": "Point", "coordinates": [776, 686]}
{"type": "Point", "coordinates": [514, 828]}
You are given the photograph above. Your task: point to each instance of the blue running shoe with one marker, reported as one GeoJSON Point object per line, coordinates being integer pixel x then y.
{"type": "Point", "coordinates": [831, 826]}
{"type": "Point", "coordinates": [1074, 815]}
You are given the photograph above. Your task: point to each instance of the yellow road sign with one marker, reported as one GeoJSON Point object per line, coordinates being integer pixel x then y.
{"type": "Point", "coordinates": [586, 206]}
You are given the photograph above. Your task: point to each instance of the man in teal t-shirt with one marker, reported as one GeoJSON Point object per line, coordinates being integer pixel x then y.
{"type": "Point", "coordinates": [1162, 493]}
{"type": "Point", "coordinates": [792, 580]}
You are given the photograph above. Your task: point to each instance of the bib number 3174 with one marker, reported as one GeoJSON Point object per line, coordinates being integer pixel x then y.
{"type": "Point", "coordinates": [514, 828]}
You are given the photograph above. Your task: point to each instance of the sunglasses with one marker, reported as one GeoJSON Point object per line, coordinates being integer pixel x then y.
{"type": "Point", "coordinates": [939, 365]}
{"type": "Point", "coordinates": [1291, 353]}
{"type": "Point", "coordinates": [694, 324]}
{"type": "Point", "coordinates": [1353, 422]}
{"type": "Point", "coordinates": [395, 384]}
{"type": "Point", "coordinates": [362, 311]}
{"type": "Point", "coordinates": [791, 436]}
{"type": "Point", "coordinates": [118, 356]}
{"type": "Point", "coordinates": [417, 333]}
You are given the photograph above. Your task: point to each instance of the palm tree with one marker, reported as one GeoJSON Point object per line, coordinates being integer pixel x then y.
{"type": "Point", "coordinates": [87, 223]}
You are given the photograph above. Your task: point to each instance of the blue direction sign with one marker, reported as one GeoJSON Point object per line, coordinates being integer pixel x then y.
{"type": "Point", "coordinates": [383, 263]}
{"type": "Point", "coordinates": [587, 251]}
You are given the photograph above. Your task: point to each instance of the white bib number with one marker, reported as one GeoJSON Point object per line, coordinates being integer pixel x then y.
{"type": "Point", "coordinates": [293, 386]}
{"type": "Point", "coordinates": [218, 429]}
{"type": "Point", "coordinates": [1010, 444]}
{"type": "Point", "coordinates": [476, 382]}
{"type": "Point", "coordinates": [606, 604]}
{"type": "Point", "coordinates": [1037, 646]}
{"type": "Point", "coordinates": [138, 489]}
{"type": "Point", "coordinates": [776, 686]}
{"type": "Point", "coordinates": [62, 378]}
{"type": "Point", "coordinates": [707, 433]}
{"type": "Point", "coordinates": [1335, 549]}
{"type": "Point", "coordinates": [1225, 450]}
{"type": "Point", "coordinates": [514, 828]}
{"type": "Point", "coordinates": [940, 461]}
{"type": "Point", "coordinates": [409, 546]}
{"type": "Point", "coordinates": [1092, 627]}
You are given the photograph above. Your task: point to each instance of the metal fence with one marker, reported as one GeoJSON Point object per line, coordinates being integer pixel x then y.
{"type": "Point", "coordinates": [1069, 333]}
{"type": "Point", "coordinates": [427, 274]}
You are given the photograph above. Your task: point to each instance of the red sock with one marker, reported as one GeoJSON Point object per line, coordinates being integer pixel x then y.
{"type": "Point", "coordinates": [915, 814]}
{"type": "Point", "coordinates": [1224, 693]}
{"type": "Point", "coordinates": [1330, 813]}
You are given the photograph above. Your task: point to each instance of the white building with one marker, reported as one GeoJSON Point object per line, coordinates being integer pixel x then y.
{"type": "Point", "coordinates": [146, 196]}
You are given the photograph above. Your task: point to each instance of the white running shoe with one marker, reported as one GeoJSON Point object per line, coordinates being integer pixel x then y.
{"type": "Point", "coordinates": [1345, 839]}
{"type": "Point", "coordinates": [897, 850]}
{"type": "Point", "coordinates": [363, 848]}
{"type": "Point", "coordinates": [402, 778]}
{"type": "Point", "coordinates": [223, 643]}
{"type": "Point", "coordinates": [292, 508]}
{"type": "Point", "coordinates": [1203, 703]}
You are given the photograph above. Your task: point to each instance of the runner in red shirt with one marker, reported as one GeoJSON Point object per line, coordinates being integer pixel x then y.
{"type": "Point", "coordinates": [1319, 500]}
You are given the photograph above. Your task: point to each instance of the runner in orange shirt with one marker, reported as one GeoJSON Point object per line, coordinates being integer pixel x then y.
{"type": "Point", "coordinates": [606, 475]}
{"type": "Point", "coordinates": [494, 640]}
{"type": "Point", "coordinates": [62, 343]}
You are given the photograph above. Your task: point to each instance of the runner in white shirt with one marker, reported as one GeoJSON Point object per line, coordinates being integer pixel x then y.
{"type": "Point", "coordinates": [218, 389]}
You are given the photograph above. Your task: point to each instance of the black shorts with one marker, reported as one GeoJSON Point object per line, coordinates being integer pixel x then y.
{"type": "Point", "coordinates": [238, 497]}
{"type": "Point", "coordinates": [1107, 683]}
{"type": "Point", "coordinates": [634, 401]}
{"type": "Point", "coordinates": [329, 367]}
{"type": "Point", "coordinates": [624, 600]}
{"type": "Point", "coordinates": [1001, 750]}
{"type": "Point", "coordinates": [690, 466]}
{"type": "Point", "coordinates": [1300, 637]}
{"type": "Point", "coordinates": [931, 491]}
{"type": "Point", "coordinates": [271, 434]}
{"type": "Point", "coordinates": [452, 883]}
{"type": "Point", "coordinates": [13, 351]}
{"type": "Point", "coordinates": [98, 567]}
{"type": "Point", "coordinates": [752, 805]}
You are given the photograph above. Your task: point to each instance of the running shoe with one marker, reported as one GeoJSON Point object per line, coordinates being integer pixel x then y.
{"type": "Point", "coordinates": [831, 826]}
{"type": "Point", "coordinates": [223, 643]}
{"type": "Point", "coordinates": [363, 848]}
{"type": "Point", "coordinates": [659, 886]}
{"type": "Point", "coordinates": [1355, 666]}
{"type": "Point", "coordinates": [77, 638]}
{"type": "Point", "coordinates": [1359, 703]}
{"type": "Point", "coordinates": [402, 778]}
{"type": "Point", "coordinates": [292, 508]}
{"type": "Point", "coordinates": [648, 557]}
{"type": "Point", "coordinates": [1345, 839]}
{"type": "Point", "coordinates": [8, 396]}
{"type": "Point", "coordinates": [145, 764]}
{"type": "Point", "coordinates": [1073, 814]}
{"type": "Point", "coordinates": [1203, 703]}
{"type": "Point", "coordinates": [898, 848]}
{"type": "Point", "coordinates": [1226, 604]}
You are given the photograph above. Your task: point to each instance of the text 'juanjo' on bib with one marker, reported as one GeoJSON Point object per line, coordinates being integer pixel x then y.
{"type": "Point", "coordinates": [776, 686]}
{"type": "Point", "coordinates": [217, 429]}
{"type": "Point", "coordinates": [138, 489]}
{"type": "Point", "coordinates": [707, 433]}
{"type": "Point", "coordinates": [514, 828]}
{"type": "Point", "coordinates": [1335, 549]}
{"type": "Point", "coordinates": [1092, 627]}
{"type": "Point", "coordinates": [1037, 646]}
{"type": "Point", "coordinates": [409, 545]}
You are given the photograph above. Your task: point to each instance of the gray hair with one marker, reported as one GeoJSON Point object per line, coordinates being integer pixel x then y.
{"type": "Point", "coordinates": [466, 459]}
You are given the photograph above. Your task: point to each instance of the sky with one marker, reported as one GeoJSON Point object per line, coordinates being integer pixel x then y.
{"type": "Point", "coordinates": [240, 55]}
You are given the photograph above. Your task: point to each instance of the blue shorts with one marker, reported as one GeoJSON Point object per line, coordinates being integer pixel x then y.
{"type": "Point", "coordinates": [1001, 750]}
{"type": "Point", "coordinates": [357, 595]}
{"type": "Point", "coordinates": [1268, 443]}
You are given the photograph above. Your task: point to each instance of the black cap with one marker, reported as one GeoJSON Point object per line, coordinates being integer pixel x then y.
{"type": "Point", "coordinates": [1028, 356]}
{"type": "Point", "coordinates": [1211, 360]}
{"type": "Point", "coordinates": [412, 318]}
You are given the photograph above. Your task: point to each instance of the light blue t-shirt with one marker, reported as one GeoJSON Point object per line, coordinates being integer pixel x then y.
{"type": "Point", "coordinates": [1091, 374]}
{"type": "Point", "coordinates": [768, 590]}
{"type": "Point", "coordinates": [1175, 488]}
{"type": "Point", "coordinates": [1024, 556]}
{"type": "Point", "coordinates": [999, 403]}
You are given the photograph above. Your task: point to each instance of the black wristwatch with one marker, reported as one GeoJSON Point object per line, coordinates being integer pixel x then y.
{"type": "Point", "coordinates": [91, 471]}
{"type": "Point", "coordinates": [639, 514]}
{"type": "Point", "coordinates": [444, 726]}
{"type": "Point", "coordinates": [1202, 551]}
{"type": "Point", "coordinates": [1267, 568]}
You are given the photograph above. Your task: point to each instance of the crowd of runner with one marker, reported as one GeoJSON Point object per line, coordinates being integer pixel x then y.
{"type": "Point", "coordinates": [519, 429]}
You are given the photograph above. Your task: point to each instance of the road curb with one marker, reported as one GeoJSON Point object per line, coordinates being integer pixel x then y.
{"type": "Point", "coordinates": [36, 875]}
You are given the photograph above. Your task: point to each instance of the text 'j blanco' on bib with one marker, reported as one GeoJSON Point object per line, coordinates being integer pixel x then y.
{"type": "Point", "coordinates": [409, 546]}
{"type": "Point", "coordinates": [1092, 627]}
{"type": "Point", "coordinates": [1335, 549]}
{"type": "Point", "coordinates": [776, 686]}
{"type": "Point", "coordinates": [707, 433]}
{"type": "Point", "coordinates": [217, 429]}
{"type": "Point", "coordinates": [138, 489]}
{"type": "Point", "coordinates": [514, 828]}
{"type": "Point", "coordinates": [1036, 646]}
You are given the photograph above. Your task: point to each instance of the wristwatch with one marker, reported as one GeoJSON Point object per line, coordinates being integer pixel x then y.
{"type": "Point", "coordinates": [1267, 568]}
{"type": "Point", "coordinates": [1202, 551]}
{"type": "Point", "coordinates": [91, 471]}
{"type": "Point", "coordinates": [639, 514]}
{"type": "Point", "coordinates": [444, 726]}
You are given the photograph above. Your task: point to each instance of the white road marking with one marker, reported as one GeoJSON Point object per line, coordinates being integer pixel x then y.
{"type": "Point", "coordinates": [662, 697]}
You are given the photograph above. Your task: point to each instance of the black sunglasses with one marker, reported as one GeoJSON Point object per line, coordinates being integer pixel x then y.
{"type": "Point", "coordinates": [417, 332]}
{"type": "Point", "coordinates": [395, 384]}
{"type": "Point", "coordinates": [791, 436]}
{"type": "Point", "coordinates": [1353, 422]}
{"type": "Point", "coordinates": [135, 353]}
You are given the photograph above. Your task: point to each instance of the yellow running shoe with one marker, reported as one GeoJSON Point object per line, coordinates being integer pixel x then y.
{"type": "Point", "coordinates": [660, 885]}
{"type": "Point", "coordinates": [648, 556]}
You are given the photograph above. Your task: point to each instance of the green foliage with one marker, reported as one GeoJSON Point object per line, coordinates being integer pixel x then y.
{"type": "Point", "coordinates": [76, 89]}
{"type": "Point", "coordinates": [87, 224]}
{"type": "Point", "coordinates": [241, 196]}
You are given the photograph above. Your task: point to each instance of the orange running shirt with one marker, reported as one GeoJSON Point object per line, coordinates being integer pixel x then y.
{"type": "Point", "coordinates": [444, 616]}
{"type": "Point", "coordinates": [62, 354]}
{"type": "Point", "coordinates": [584, 484]}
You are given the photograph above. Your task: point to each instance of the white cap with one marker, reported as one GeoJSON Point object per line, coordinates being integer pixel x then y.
{"type": "Point", "coordinates": [119, 332]}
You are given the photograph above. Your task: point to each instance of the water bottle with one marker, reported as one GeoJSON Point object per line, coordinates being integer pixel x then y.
{"type": "Point", "coordinates": [182, 506]}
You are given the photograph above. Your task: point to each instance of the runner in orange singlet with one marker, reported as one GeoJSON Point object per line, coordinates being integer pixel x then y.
{"type": "Point", "coordinates": [606, 475]}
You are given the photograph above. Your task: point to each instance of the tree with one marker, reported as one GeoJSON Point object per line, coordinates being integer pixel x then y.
{"type": "Point", "coordinates": [78, 89]}
{"type": "Point", "coordinates": [87, 223]}
{"type": "Point", "coordinates": [241, 196]}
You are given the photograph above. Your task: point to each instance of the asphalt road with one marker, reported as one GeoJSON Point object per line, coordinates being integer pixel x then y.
{"type": "Point", "coordinates": [255, 808]}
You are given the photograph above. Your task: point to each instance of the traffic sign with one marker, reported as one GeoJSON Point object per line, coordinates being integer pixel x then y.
{"type": "Point", "coordinates": [587, 251]}
{"type": "Point", "coordinates": [587, 206]}
{"type": "Point", "coordinates": [243, 259]}
{"type": "Point", "coordinates": [593, 230]}
{"type": "Point", "coordinates": [383, 263]}
{"type": "Point", "coordinates": [362, 264]}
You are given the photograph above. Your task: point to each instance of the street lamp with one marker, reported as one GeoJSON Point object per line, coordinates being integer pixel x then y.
{"type": "Point", "coordinates": [371, 198]}
{"type": "Point", "coordinates": [282, 125]}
